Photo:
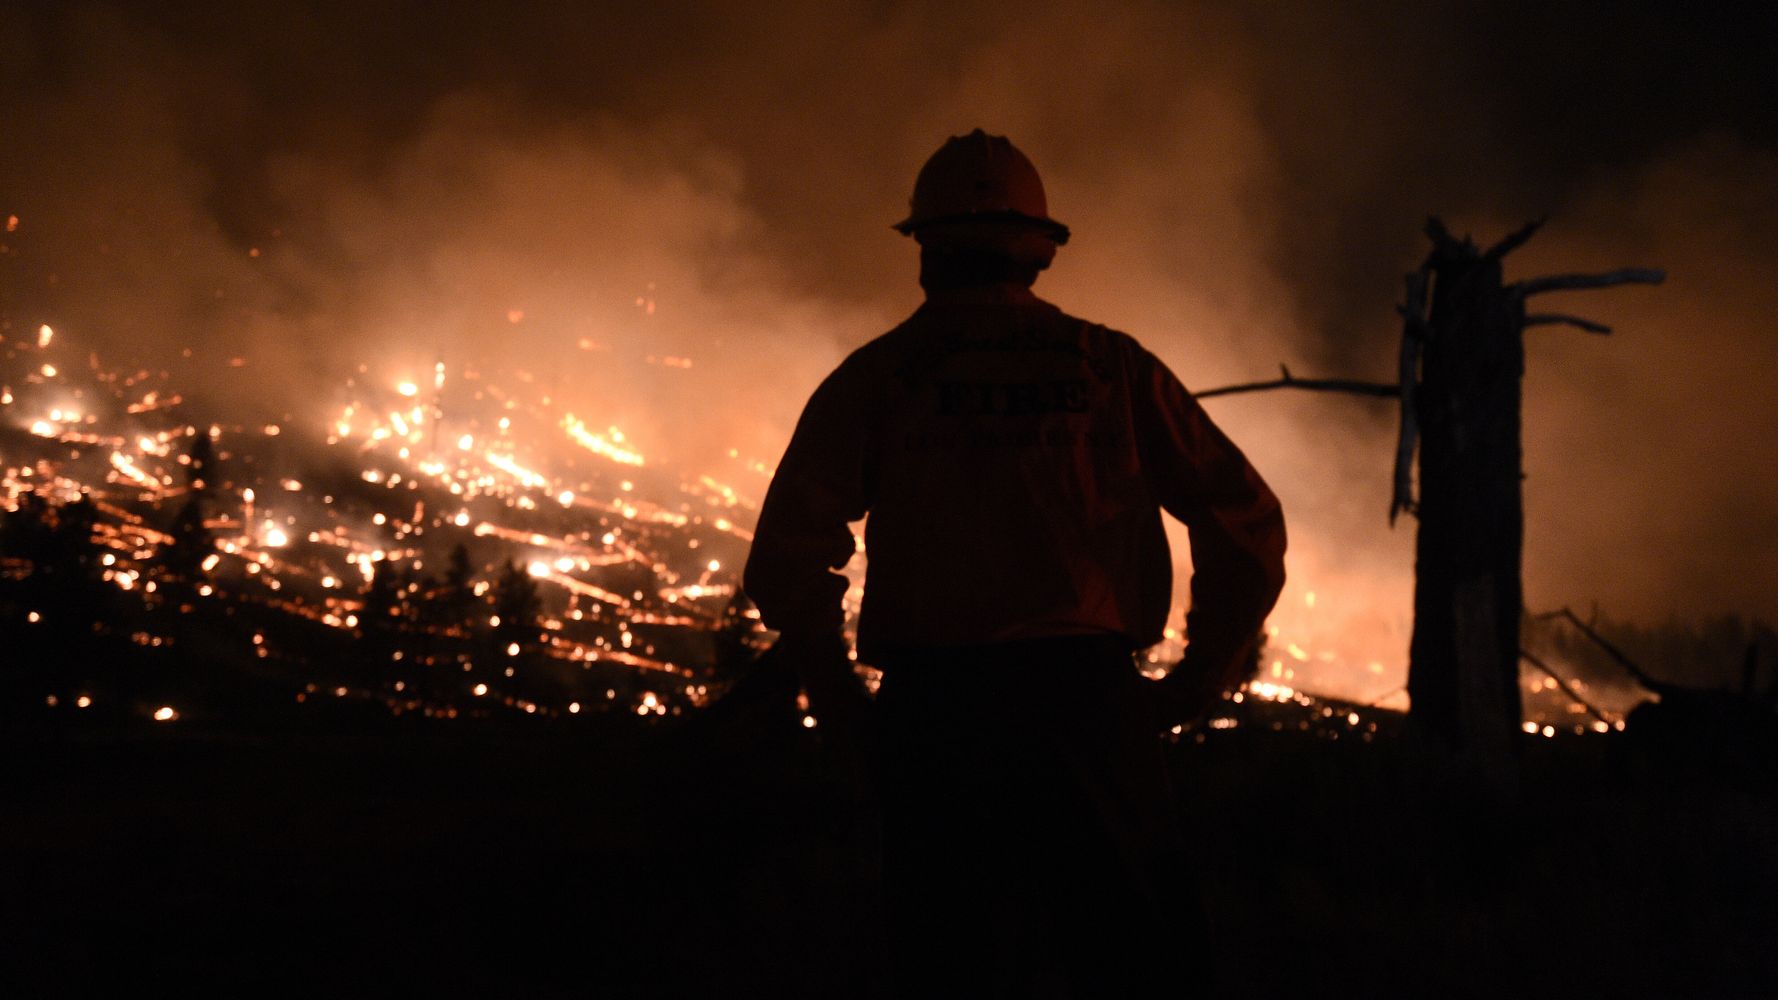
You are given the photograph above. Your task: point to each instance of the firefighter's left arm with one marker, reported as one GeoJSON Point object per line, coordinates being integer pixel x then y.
{"type": "Point", "coordinates": [1236, 527]}
{"type": "Point", "coordinates": [804, 535]}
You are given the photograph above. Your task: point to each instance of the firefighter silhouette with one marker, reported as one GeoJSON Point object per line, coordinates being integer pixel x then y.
{"type": "Point", "coordinates": [1015, 462]}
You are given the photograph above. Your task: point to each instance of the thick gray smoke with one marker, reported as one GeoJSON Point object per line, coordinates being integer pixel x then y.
{"type": "Point", "coordinates": [538, 188]}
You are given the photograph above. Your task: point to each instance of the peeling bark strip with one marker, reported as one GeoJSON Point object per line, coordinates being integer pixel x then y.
{"type": "Point", "coordinates": [1413, 338]}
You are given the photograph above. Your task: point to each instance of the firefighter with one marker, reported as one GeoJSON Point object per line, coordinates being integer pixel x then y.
{"type": "Point", "coordinates": [1014, 462]}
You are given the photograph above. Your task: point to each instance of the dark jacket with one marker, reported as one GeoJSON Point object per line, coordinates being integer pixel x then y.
{"type": "Point", "coordinates": [1014, 462]}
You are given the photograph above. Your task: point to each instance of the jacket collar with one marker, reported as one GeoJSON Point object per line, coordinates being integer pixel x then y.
{"type": "Point", "coordinates": [1007, 293]}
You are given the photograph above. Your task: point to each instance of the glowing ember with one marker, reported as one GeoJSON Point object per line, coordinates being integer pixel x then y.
{"type": "Point", "coordinates": [525, 476]}
{"type": "Point", "coordinates": [1271, 692]}
{"type": "Point", "coordinates": [609, 446]}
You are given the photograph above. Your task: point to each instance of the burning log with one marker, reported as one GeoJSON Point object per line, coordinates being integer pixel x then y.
{"type": "Point", "coordinates": [1567, 689]}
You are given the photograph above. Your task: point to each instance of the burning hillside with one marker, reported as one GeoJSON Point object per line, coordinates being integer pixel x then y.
{"type": "Point", "coordinates": [408, 518]}
{"type": "Point", "coordinates": [438, 539]}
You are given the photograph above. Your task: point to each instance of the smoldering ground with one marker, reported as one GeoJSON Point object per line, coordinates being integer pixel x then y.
{"type": "Point", "coordinates": [568, 192]}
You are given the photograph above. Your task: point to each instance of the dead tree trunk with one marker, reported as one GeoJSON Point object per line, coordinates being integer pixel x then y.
{"type": "Point", "coordinates": [1463, 660]}
{"type": "Point", "coordinates": [1463, 673]}
{"type": "Point", "coordinates": [1461, 365]}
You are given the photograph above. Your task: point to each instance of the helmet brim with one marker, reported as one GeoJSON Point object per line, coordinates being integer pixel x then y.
{"type": "Point", "coordinates": [1056, 231]}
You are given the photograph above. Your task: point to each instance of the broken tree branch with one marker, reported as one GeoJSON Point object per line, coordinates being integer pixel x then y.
{"type": "Point", "coordinates": [1380, 699]}
{"type": "Point", "coordinates": [1658, 687]}
{"type": "Point", "coordinates": [1289, 381]}
{"type": "Point", "coordinates": [1525, 654]}
{"type": "Point", "coordinates": [1566, 282]}
{"type": "Point", "coordinates": [1436, 232]}
{"type": "Point", "coordinates": [1515, 240]}
{"type": "Point", "coordinates": [1545, 319]}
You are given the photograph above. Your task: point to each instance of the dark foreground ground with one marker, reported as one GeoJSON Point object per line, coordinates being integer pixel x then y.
{"type": "Point", "coordinates": [371, 857]}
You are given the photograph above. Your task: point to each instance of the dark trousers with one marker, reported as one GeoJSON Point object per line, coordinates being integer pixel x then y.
{"type": "Point", "coordinates": [1031, 843]}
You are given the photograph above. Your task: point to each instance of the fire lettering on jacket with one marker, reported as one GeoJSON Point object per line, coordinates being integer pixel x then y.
{"type": "Point", "coordinates": [1012, 399]}
{"type": "Point", "coordinates": [1015, 438]}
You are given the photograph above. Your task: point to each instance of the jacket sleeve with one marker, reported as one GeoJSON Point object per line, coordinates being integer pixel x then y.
{"type": "Point", "coordinates": [803, 536]}
{"type": "Point", "coordinates": [1234, 521]}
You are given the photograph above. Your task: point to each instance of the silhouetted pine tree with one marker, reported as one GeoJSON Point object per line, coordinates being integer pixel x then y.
{"type": "Point", "coordinates": [69, 594]}
{"type": "Point", "coordinates": [380, 620]}
{"type": "Point", "coordinates": [454, 602]}
{"type": "Point", "coordinates": [200, 474]}
{"type": "Point", "coordinates": [183, 559]}
{"type": "Point", "coordinates": [445, 622]}
{"type": "Point", "coordinates": [26, 538]}
{"type": "Point", "coordinates": [73, 562]}
{"type": "Point", "coordinates": [26, 534]}
{"type": "Point", "coordinates": [515, 640]}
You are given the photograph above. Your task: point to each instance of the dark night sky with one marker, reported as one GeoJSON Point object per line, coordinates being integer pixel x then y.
{"type": "Point", "coordinates": [1246, 182]}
